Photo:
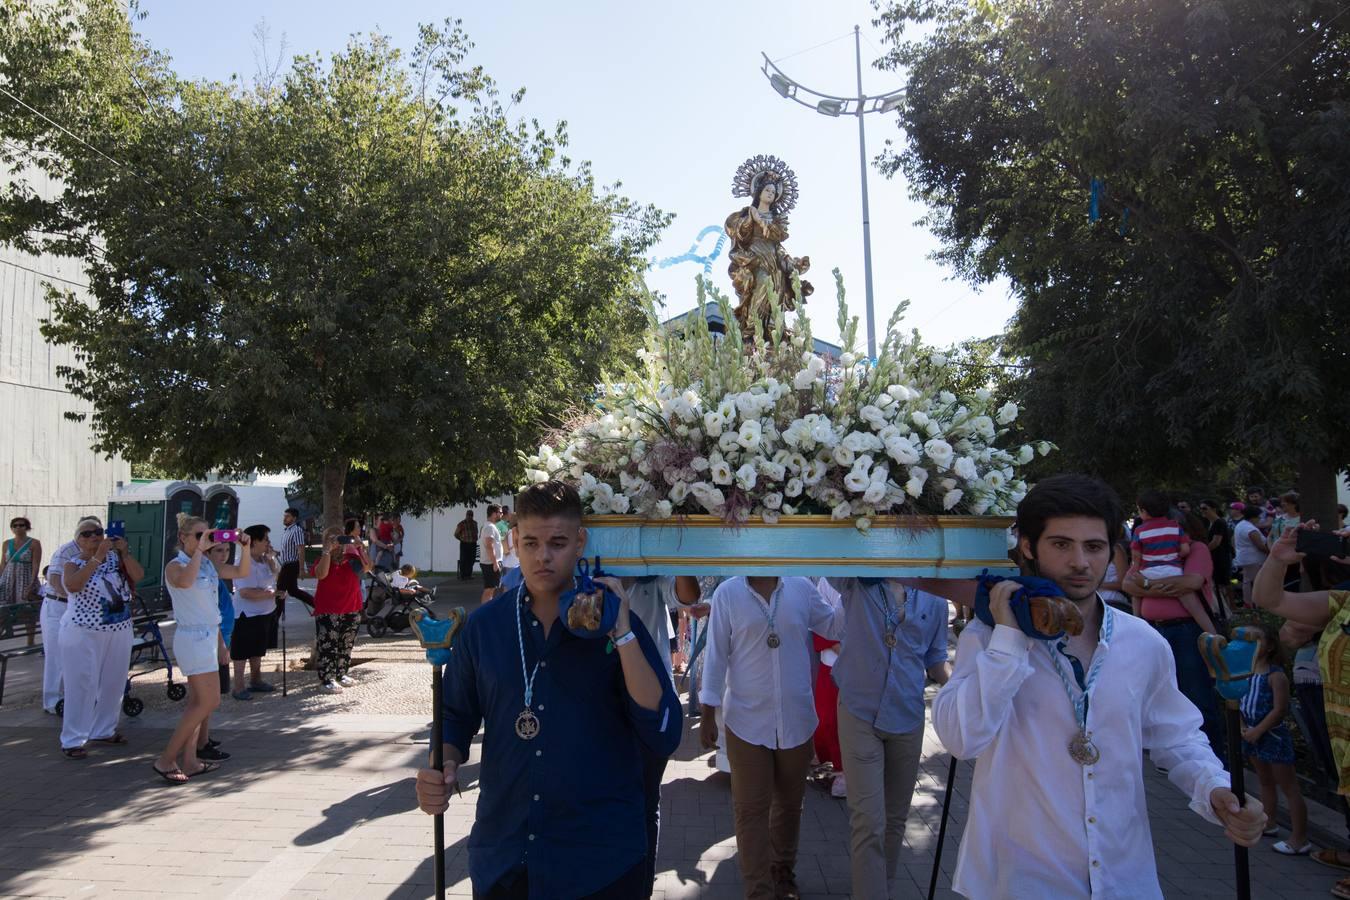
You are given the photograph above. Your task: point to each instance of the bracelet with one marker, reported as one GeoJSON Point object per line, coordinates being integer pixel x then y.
{"type": "Point", "coordinates": [624, 638]}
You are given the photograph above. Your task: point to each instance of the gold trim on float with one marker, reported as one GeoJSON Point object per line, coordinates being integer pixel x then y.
{"type": "Point", "coordinates": [814, 521]}
{"type": "Point", "coordinates": [800, 561]}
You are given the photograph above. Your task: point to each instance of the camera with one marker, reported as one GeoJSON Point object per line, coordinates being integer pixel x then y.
{"type": "Point", "coordinates": [225, 536]}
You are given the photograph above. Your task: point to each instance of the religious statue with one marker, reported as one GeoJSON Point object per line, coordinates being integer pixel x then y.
{"type": "Point", "coordinates": [759, 264]}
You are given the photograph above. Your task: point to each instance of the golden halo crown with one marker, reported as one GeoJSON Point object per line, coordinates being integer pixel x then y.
{"type": "Point", "coordinates": [752, 174]}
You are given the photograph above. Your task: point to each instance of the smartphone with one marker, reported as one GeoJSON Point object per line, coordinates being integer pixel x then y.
{"type": "Point", "coordinates": [1320, 543]}
{"type": "Point", "coordinates": [346, 539]}
{"type": "Point", "coordinates": [225, 536]}
{"type": "Point", "coordinates": [116, 530]}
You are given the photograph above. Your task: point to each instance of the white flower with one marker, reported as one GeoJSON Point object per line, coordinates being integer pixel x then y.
{"type": "Point", "coordinates": [873, 416]}
{"type": "Point", "coordinates": [982, 394]}
{"type": "Point", "coordinates": [600, 505]}
{"type": "Point", "coordinates": [713, 423]}
{"type": "Point", "coordinates": [804, 379]}
{"type": "Point", "coordinates": [965, 468]}
{"type": "Point", "coordinates": [856, 481]}
{"type": "Point", "coordinates": [875, 492]}
{"type": "Point", "coordinates": [699, 464]}
{"type": "Point", "coordinates": [919, 417]}
{"type": "Point", "coordinates": [900, 392]}
{"type": "Point", "coordinates": [860, 441]}
{"type": "Point", "coordinates": [678, 491]}
{"type": "Point", "coordinates": [750, 434]}
{"type": "Point", "coordinates": [720, 472]}
{"type": "Point", "coordinates": [773, 500]}
{"type": "Point", "coordinates": [914, 487]}
{"type": "Point", "coordinates": [984, 427]}
{"type": "Point", "coordinates": [864, 524]}
{"type": "Point", "coordinates": [847, 360]}
{"type": "Point", "coordinates": [1007, 413]}
{"type": "Point", "coordinates": [620, 503]}
{"type": "Point", "coordinates": [933, 428]}
{"type": "Point", "coordinates": [902, 451]}
{"type": "Point", "coordinates": [727, 409]}
{"type": "Point", "coordinates": [946, 398]}
{"type": "Point", "coordinates": [728, 441]}
{"type": "Point", "coordinates": [815, 364]}
{"type": "Point", "coordinates": [939, 359]}
{"type": "Point", "coordinates": [843, 455]}
{"type": "Point", "coordinates": [769, 516]}
{"type": "Point", "coordinates": [814, 472]}
{"type": "Point", "coordinates": [939, 451]}
{"type": "Point", "coordinates": [995, 480]}
{"type": "Point", "coordinates": [789, 510]}
{"type": "Point", "coordinates": [604, 492]}
{"type": "Point", "coordinates": [1044, 448]}
{"type": "Point", "coordinates": [979, 507]}
{"type": "Point", "coordinates": [772, 470]}
{"type": "Point", "coordinates": [1025, 454]}
{"type": "Point", "coordinates": [842, 511]}
{"type": "Point", "coordinates": [747, 404]}
{"type": "Point", "coordinates": [746, 477]}
{"type": "Point", "coordinates": [822, 432]}
{"type": "Point", "coordinates": [664, 509]}
{"type": "Point", "coordinates": [793, 488]}
{"type": "Point", "coordinates": [951, 498]}
{"type": "Point", "coordinates": [586, 485]}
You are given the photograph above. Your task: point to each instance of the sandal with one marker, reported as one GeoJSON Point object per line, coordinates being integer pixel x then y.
{"type": "Point", "coordinates": [169, 775]}
{"type": "Point", "coordinates": [1284, 848]}
{"type": "Point", "coordinates": [1341, 889]}
{"type": "Point", "coordinates": [75, 752]}
{"type": "Point", "coordinates": [207, 767]}
{"type": "Point", "coordinates": [1336, 859]}
{"type": "Point", "coordinates": [116, 737]}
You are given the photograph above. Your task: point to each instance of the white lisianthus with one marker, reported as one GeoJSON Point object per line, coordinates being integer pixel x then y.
{"type": "Point", "coordinates": [713, 423]}
{"type": "Point", "coordinates": [863, 524]}
{"type": "Point", "coordinates": [939, 359]}
{"type": "Point", "coordinates": [875, 493]}
{"type": "Point", "coordinates": [699, 464]}
{"type": "Point", "coordinates": [902, 451]}
{"type": "Point", "coordinates": [951, 498]}
{"type": "Point", "coordinates": [847, 360]}
{"type": "Point", "coordinates": [750, 434]}
{"type": "Point", "coordinates": [1025, 454]}
{"type": "Point", "coordinates": [603, 491]}
{"type": "Point", "coordinates": [939, 451]}
{"type": "Point", "coordinates": [900, 392]}
{"type": "Point", "coordinates": [995, 480]}
{"type": "Point", "coordinates": [586, 485]}
{"type": "Point", "coordinates": [823, 433]}
{"type": "Point", "coordinates": [914, 487]}
{"type": "Point", "coordinates": [919, 417]}
{"type": "Point", "coordinates": [678, 491]}
{"type": "Point", "coordinates": [773, 500]}
{"type": "Point", "coordinates": [933, 428]}
{"type": "Point", "coordinates": [816, 364]}
{"type": "Point", "coordinates": [803, 380]}
{"type": "Point", "coordinates": [843, 455]}
{"type": "Point", "coordinates": [856, 481]}
{"type": "Point", "coordinates": [720, 472]}
{"type": "Point", "coordinates": [600, 505]}
{"type": "Point", "coordinates": [664, 509]}
{"type": "Point", "coordinates": [841, 511]}
{"type": "Point", "coordinates": [983, 426]}
{"type": "Point", "coordinates": [982, 395]}
{"type": "Point", "coordinates": [789, 509]}
{"type": "Point", "coordinates": [769, 516]}
{"type": "Point", "coordinates": [746, 477]}
{"type": "Point", "coordinates": [728, 441]}
{"type": "Point", "coordinates": [620, 503]}
{"type": "Point", "coordinates": [965, 469]}
{"type": "Point", "coordinates": [793, 488]}
{"type": "Point", "coordinates": [814, 472]}
{"type": "Point", "coordinates": [727, 409]}
{"type": "Point", "coordinates": [1044, 448]}
{"type": "Point", "coordinates": [979, 507]}
{"type": "Point", "coordinates": [772, 470]}
{"type": "Point", "coordinates": [946, 398]}
{"type": "Point", "coordinates": [1007, 413]}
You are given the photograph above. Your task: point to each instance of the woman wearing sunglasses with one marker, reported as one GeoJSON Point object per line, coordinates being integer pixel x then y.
{"type": "Point", "coordinates": [20, 561]}
{"type": "Point", "coordinates": [194, 584]}
{"type": "Point", "coordinates": [95, 637]}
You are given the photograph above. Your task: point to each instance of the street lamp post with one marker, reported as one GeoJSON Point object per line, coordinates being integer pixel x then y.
{"type": "Point", "coordinates": [835, 106]}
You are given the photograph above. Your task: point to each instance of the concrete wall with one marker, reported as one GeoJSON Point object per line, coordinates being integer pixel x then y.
{"type": "Point", "coordinates": [47, 471]}
{"type": "Point", "coordinates": [429, 541]}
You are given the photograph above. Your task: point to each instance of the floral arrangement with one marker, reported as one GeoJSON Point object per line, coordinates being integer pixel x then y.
{"type": "Point", "coordinates": [707, 423]}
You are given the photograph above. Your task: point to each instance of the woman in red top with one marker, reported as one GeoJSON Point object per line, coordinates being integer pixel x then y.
{"type": "Point", "coordinates": [337, 610]}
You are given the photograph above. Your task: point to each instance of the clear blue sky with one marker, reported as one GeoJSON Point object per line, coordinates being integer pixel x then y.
{"type": "Point", "coordinates": [667, 99]}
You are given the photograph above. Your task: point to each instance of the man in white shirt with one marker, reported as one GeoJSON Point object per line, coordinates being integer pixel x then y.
{"type": "Point", "coordinates": [1058, 728]}
{"type": "Point", "coordinates": [491, 555]}
{"type": "Point", "coordinates": [759, 666]}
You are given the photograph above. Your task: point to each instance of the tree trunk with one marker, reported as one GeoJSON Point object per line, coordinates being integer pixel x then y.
{"type": "Point", "coordinates": [334, 485]}
{"type": "Point", "coordinates": [1317, 480]}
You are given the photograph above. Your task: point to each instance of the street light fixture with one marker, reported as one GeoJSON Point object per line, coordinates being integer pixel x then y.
{"type": "Point", "coordinates": [833, 106]}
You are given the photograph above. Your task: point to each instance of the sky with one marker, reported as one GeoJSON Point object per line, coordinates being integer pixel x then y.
{"type": "Point", "coordinates": [667, 99]}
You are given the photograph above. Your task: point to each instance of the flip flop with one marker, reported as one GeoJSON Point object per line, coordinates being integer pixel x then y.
{"type": "Point", "coordinates": [116, 737]}
{"type": "Point", "coordinates": [206, 769]}
{"type": "Point", "coordinates": [1284, 848]}
{"type": "Point", "coordinates": [168, 776]}
{"type": "Point", "coordinates": [75, 752]}
{"type": "Point", "coordinates": [1336, 859]}
{"type": "Point", "coordinates": [1341, 889]}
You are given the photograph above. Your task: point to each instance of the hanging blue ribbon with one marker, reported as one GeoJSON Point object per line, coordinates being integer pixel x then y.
{"type": "Point", "coordinates": [1095, 205]}
{"type": "Point", "coordinates": [693, 256]}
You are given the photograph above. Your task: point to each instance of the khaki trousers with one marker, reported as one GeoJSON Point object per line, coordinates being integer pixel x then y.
{"type": "Point", "coordinates": [767, 786]}
{"type": "Point", "coordinates": [881, 769]}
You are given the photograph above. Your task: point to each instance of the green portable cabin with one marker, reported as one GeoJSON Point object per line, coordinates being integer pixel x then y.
{"type": "Point", "coordinates": [221, 506]}
{"type": "Point", "coordinates": [150, 509]}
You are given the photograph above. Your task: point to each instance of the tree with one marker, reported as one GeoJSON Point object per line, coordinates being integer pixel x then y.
{"type": "Point", "coordinates": [368, 264]}
{"type": "Point", "coordinates": [1167, 186]}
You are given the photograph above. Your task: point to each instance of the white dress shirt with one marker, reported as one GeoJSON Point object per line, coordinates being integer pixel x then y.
{"type": "Point", "coordinates": [1040, 825]}
{"type": "Point", "coordinates": [767, 691]}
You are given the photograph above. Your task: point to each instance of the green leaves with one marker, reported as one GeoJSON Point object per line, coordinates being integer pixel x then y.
{"type": "Point", "coordinates": [365, 260]}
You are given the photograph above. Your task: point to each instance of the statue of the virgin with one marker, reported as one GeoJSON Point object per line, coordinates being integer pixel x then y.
{"type": "Point", "coordinates": [759, 264]}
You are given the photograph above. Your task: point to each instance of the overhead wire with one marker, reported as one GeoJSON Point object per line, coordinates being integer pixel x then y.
{"type": "Point", "coordinates": [816, 47]}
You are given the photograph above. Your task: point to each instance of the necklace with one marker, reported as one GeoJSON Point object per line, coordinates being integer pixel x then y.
{"type": "Point", "coordinates": [892, 615]}
{"type": "Point", "coordinates": [1081, 748]}
{"type": "Point", "coordinates": [769, 610]}
{"type": "Point", "coordinates": [527, 723]}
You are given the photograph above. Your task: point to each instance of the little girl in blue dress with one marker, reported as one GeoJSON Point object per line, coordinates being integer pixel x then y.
{"type": "Point", "coordinates": [1269, 746]}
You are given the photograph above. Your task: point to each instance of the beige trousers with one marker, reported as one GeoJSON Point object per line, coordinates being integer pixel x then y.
{"type": "Point", "coordinates": [767, 787]}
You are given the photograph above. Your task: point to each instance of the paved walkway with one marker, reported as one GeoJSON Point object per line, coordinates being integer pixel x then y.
{"type": "Point", "coordinates": [318, 802]}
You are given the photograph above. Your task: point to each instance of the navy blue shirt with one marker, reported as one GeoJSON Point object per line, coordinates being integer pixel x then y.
{"type": "Point", "coordinates": [569, 804]}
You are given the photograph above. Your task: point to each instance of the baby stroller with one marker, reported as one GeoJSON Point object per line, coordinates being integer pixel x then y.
{"type": "Point", "coordinates": [381, 593]}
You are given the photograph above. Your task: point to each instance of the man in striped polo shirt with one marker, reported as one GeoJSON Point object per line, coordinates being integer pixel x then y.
{"type": "Point", "coordinates": [291, 551]}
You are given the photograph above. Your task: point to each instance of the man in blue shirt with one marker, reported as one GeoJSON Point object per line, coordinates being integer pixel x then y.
{"type": "Point", "coordinates": [895, 637]}
{"type": "Point", "coordinates": [560, 807]}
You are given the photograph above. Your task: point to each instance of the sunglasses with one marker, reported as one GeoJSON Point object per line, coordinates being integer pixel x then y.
{"type": "Point", "coordinates": [24, 525]}
{"type": "Point", "coordinates": [93, 532]}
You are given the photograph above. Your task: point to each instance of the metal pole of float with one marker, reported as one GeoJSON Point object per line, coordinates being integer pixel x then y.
{"type": "Point", "coordinates": [866, 218]}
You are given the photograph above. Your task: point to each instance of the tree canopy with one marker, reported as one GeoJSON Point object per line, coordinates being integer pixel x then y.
{"type": "Point", "coordinates": [362, 262]}
{"type": "Point", "coordinates": [1167, 187]}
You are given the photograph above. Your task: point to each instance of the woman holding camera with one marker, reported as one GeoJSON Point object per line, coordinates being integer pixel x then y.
{"type": "Point", "coordinates": [337, 607]}
{"type": "Point", "coordinates": [95, 637]}
{"type": "Point", "coordinates": [194, 584]}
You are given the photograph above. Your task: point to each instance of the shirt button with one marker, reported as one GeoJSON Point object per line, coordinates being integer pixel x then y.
{"type": "Point", "coordinates": [1092, 820]}
{"type": "Point", "coordinates": [541, 707]}
{"type": "Point", "coordinates": [535, 622]}
{"type": "Point", "coordinates": [536, 796]}
{"type": "Point", "coordinates": [1095, 863]}
{"type": "Point", "coordinates": [532, 838]}
{"type": "Point", "coordinates": [539, 753]}
{"type": "Point", "coordinates": [1090, 775]}
{"type": "Point", "coordinates": [544, 663]}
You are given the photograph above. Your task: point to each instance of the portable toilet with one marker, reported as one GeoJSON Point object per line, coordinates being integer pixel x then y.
{"type": "Point", "coordinates": [221, 508]}
{"type": "Point", "coordinates": [150, 510]}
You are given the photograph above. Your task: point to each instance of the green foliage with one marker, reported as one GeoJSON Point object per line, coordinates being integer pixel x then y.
{"type": "Point", "coordinates": [363, 263]}
{"type": "Point", "coordinates": [1201, 321]}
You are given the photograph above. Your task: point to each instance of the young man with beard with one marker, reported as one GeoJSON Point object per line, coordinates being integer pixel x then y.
{"type": "Point", "coordinates": [561, 810]}
{"type": "Point", "coordinates": [1058, 728]}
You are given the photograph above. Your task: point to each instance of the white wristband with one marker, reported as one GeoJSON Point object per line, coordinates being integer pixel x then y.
{"type": "Point", "coordinates": [624, 639]}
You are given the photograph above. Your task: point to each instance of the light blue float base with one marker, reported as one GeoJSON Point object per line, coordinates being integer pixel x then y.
{"type": "Point", "coordinates": [936, 547]}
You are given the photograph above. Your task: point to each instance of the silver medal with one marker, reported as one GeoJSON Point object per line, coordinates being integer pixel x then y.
{"type": "Point", "coordinates": [1083, 751]}
{"type": "Point", "coordinates": [527, 726]}
{"type": "Point", "coordinates": [773, 641]}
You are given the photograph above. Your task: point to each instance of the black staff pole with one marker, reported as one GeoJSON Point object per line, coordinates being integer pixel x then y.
{"type": "Point", "coordinates": [436, 637]}
{"type": "Point", "coordinates": [284, 666]}
{"type": "Point", "coordinates": [942, 829]}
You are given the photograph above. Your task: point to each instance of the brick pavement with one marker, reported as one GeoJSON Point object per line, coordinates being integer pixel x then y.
{"type": "Point", "coordinates": [318, 802]}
